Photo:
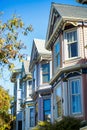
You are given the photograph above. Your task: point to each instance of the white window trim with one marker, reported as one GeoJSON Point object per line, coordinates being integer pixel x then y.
{"type": "Point", "coordinates": [72, 79]}
{"type": "Point", "coordinates": [65, 44]}
{"type": "Point", "coordinates": [41, 74]}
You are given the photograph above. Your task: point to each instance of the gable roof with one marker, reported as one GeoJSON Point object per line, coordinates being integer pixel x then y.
{"type": "Point", "coordinates": [40, 45]}
{"type": "Point", "coordinates": [71, 11]}
{"type": "Point", "coordinates": [26, 74]}
{"type": "Point", "coordinates": [60, 15]}
{"type": "Point", "coordinates": [39, 52]}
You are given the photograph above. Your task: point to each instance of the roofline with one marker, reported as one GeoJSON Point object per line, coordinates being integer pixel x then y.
{"type": "Point", "coordinates": [54, 3]}
{"type": "Point", "coordinates": [61, 22]}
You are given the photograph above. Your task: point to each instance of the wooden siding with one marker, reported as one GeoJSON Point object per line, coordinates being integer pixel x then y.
{"type": "Point", "coordinates": [80, 41]}
{"type": "Point", "coordinates": [85, 36]}
{"type": "Point", "coordinates": [82, 52]}
{"type": "Point", "coordinates": [84, 84]}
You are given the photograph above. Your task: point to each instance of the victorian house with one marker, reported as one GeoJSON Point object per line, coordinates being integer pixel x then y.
{"type": "Point", "coordinates": [27, 102]}
{"type": "Point", "coordinates": [67, 39]}
{"type": "Point", "coordinates": [17, 110]}
{"type": "Point", "coordinates": [40, 67]}
{"type": "Point", "coordinates": [23, 105]}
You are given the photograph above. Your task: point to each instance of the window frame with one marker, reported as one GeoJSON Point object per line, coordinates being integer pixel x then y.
{"type": "Point", "coordinates": [31, 117]}
{"type": "Point", "coordinates": [45, 73]}
{"type": "Point", "coordinates": [29, 87]}
{"type": "Point", "coordinates": [66, 43]}
{"type": "Point", "coordinates": [70, 98]}
{"type": "Point", "coordinates": [48, 110]}
{"type": "Point", "coordinates": [57, 55]}
{"type": "Point", "coordinates": [57, 86]}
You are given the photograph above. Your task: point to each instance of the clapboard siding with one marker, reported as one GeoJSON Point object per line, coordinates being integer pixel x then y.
{"type": "Point", "coordinates": [80, 42]}
{"type": "Point", "coordinates": [85, 36]}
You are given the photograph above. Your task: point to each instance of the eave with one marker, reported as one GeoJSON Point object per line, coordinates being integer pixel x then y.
{"type": "Point", "coordinates": [55, 32]}
{"type": "Point", "coordinates": [27, 77]}
{"type": "Point", "coordinates": [60, 27]}
{"type": "Point", "coordinates": [14, 74]}
{"type": "Point", "coordinates": [41, 57]}
{"type": "Point", "coordinates": [65, 70]}
{"type": "Point", "coordinates": [42, 92]}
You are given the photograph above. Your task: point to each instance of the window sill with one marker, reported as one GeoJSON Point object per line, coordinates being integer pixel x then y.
{"type": "Point", "coordinates": [77, 114]}
{"type": "Point", "coordinates": [72, 59]}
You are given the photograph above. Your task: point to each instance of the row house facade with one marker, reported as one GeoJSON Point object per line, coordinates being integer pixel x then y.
{"type": "Point", "coordinates": [27, 101]}
{"type": "Point", "coordinates": [67, 39]}
{"type": "Point", "coordinates": [23, 105]}
{"type": "Point", "coordinates": [54, 83]}
{"type": "Point", "coordinates": [16, 105]}
{"type": "Point", "coordinates": [40, 67]}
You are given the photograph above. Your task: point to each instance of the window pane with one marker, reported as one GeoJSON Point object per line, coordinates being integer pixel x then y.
{"type": "Point", "coordinates": [72, 44]}
{"type": "Point", "coordinates": [31, 117]}
{"type": "Point", "coordinates": [76, 107]}
{"type": "Point", "coordinates": [45, 73]}
{"type": "Point", "coordinates": [57, 55]}
{"type": "Point", "coordinates": [75, 96]}
{"type": "Point", "coordinates": [47, 104]}
{"type": "Point", "coordinates": [72, 50]}
{"type": "Point", "coordinates": [75, 87]}
{"type": "Point", "coordinates": [45, 68]}
{"type": "Point", "coordinates": [30, 83]}
{"type": "Point", "coordinates": [47, 109]}
{"type": "Point", "coordinates": [57, 48]}
{"type": "Point", "coordinates": [58, 101]}
{"type": "Point", "coordinates": [45, 78]}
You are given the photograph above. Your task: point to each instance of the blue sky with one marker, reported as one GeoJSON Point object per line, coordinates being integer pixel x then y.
{"type": "Point", "coordinates": [35, 12]}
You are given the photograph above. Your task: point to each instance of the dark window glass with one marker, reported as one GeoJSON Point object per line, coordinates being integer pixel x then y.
{"type": "Point", "coordinates": [75, 96]}
{"type": "Point", "coordinates": [72, 44]}
{"type": "Point", "coordinates": [72, 50]}
{"type": "Point", "coordinates": [45, 73]}
{"type": "Point", "coordinates": [47, 109]}
{"type": "Point", "coordinates": [31, 117]}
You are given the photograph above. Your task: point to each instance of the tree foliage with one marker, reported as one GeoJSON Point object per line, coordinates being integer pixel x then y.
{"type": "Point", "coordinates": [10, 43]}
{"type": "Point", "coordinates": [67, 123]}
{"type": "Point", "coordinates": [5, 117]}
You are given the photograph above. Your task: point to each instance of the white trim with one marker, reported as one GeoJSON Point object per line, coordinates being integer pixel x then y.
{"type": "Point", "coordinates": [65, 44]}
{"type": "Point", "coordinates": [69, 80]}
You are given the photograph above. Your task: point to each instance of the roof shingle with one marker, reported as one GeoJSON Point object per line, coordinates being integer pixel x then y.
{"type": "Point", "coordinates": [70, 11]}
